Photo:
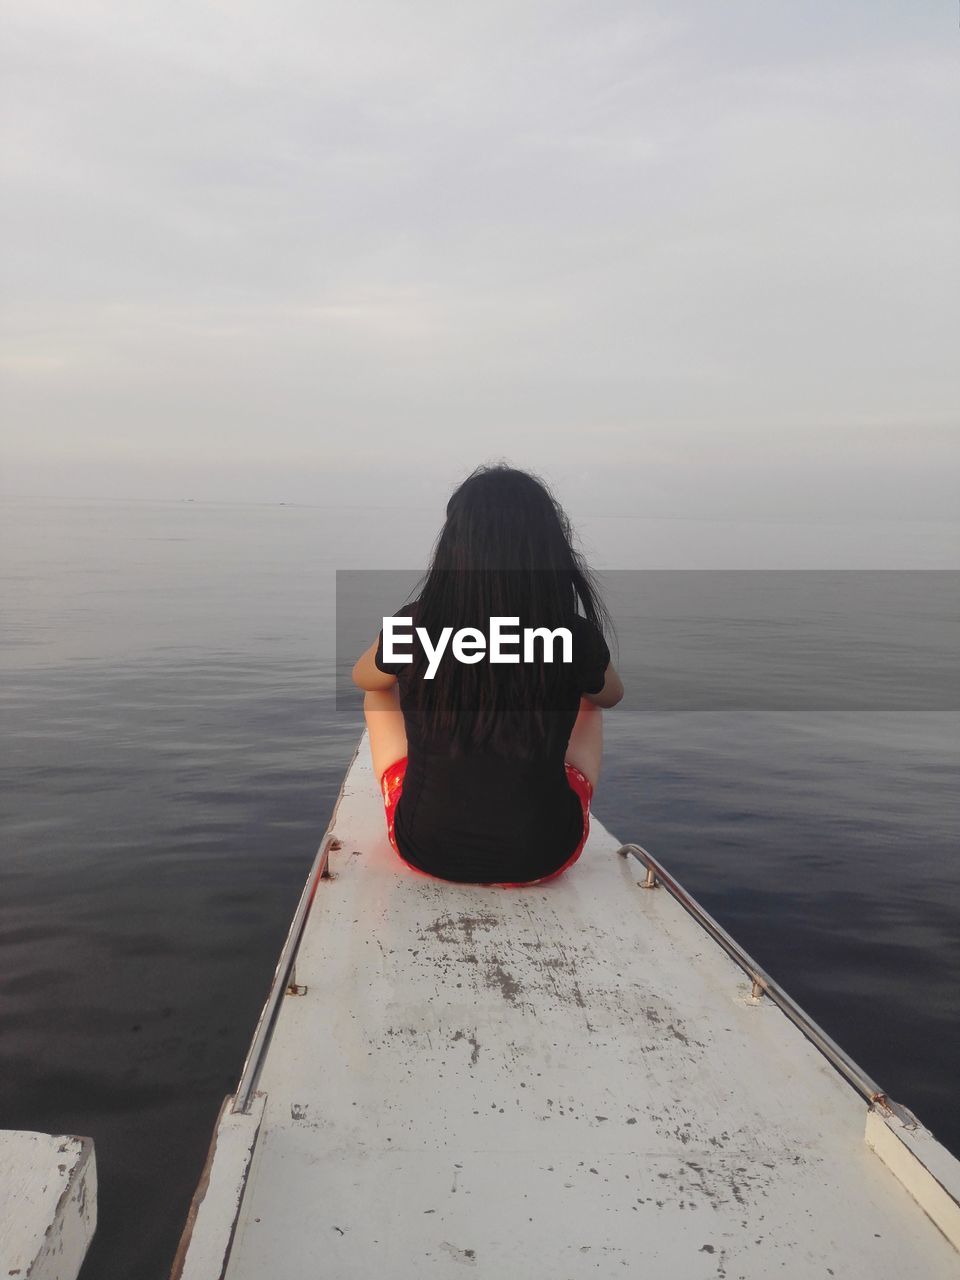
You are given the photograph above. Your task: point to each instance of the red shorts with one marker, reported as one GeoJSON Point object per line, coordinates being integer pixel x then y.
{"type": "Point", "coordinates": [391, 785]}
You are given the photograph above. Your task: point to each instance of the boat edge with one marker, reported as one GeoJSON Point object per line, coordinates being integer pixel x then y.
{"type": "Point", "coordinates": [250, 1115]}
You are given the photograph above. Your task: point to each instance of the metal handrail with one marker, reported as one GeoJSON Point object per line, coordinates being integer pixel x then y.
{"type": "Point", "coordinates": [281, 979]}
{"type": "Point", "coordinates": [763, 984]}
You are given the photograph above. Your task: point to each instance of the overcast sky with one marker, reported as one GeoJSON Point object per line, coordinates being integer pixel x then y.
{"type": "Point", "coordinates": [684, 258]}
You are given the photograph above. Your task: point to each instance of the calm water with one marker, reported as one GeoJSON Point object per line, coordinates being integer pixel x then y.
{"type": "Point", "coordinates": [173, 747]}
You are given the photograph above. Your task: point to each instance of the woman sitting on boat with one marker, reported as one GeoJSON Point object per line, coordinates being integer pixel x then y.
{"type": "Point", "coordinates": [488, 757]}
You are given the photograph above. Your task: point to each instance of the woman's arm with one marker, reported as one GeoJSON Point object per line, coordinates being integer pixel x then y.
{"type": "Point", "coordinates": [366, 673]}
{"type": "Point", "coordinates": [612, 690]}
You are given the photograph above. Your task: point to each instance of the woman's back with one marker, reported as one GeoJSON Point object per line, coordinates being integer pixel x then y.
{"type": "Point", "coordinates": [493, 815]}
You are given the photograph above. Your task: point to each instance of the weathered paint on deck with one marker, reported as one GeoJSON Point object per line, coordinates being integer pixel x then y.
{"type": "Point", "coordinates": [561, 1081]}
{"type": "Point", "coordinates": [48, 1204]}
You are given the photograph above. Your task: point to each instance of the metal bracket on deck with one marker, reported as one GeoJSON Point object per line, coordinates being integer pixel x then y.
{"type": "Point", "coordinates": [332, 846]}
{"type": "Point", "coordinates": [293, 989]}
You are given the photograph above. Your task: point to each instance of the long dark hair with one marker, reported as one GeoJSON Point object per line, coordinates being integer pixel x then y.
{"type": "Point", "coordinates": [506, 549]}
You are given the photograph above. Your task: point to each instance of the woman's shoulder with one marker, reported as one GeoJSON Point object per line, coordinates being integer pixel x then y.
{"type": "Point", "coordinates": [591, 653]}
{"type": "Point", "coordinates": [582, 627]}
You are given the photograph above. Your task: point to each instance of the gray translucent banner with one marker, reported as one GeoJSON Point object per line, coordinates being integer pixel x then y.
{"type": "Point", "coordinates": [740, 640]}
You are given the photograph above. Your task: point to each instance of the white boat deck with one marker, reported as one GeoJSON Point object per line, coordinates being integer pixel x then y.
{"type": "Point", "coordinates": [561, 1081]}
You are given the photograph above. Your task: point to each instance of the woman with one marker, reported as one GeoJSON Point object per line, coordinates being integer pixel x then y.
{"type": "Point", "coordinates": [487, 769]}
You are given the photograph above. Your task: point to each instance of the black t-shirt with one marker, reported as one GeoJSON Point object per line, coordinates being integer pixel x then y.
{"type": "Point", "coordinates": [480, 817]}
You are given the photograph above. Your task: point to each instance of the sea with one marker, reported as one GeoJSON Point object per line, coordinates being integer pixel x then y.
{"type": "Point", "coordinates": [175, 732]}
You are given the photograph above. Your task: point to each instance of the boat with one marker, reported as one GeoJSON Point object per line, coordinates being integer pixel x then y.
{"type": "Point", "coordinates": [584, 1078]}
{"type": "Point", "coordinates": [48, 1203]}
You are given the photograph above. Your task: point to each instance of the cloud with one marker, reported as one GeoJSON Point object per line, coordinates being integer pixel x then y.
{"type": "Point", "coordinates": [312, 235]}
